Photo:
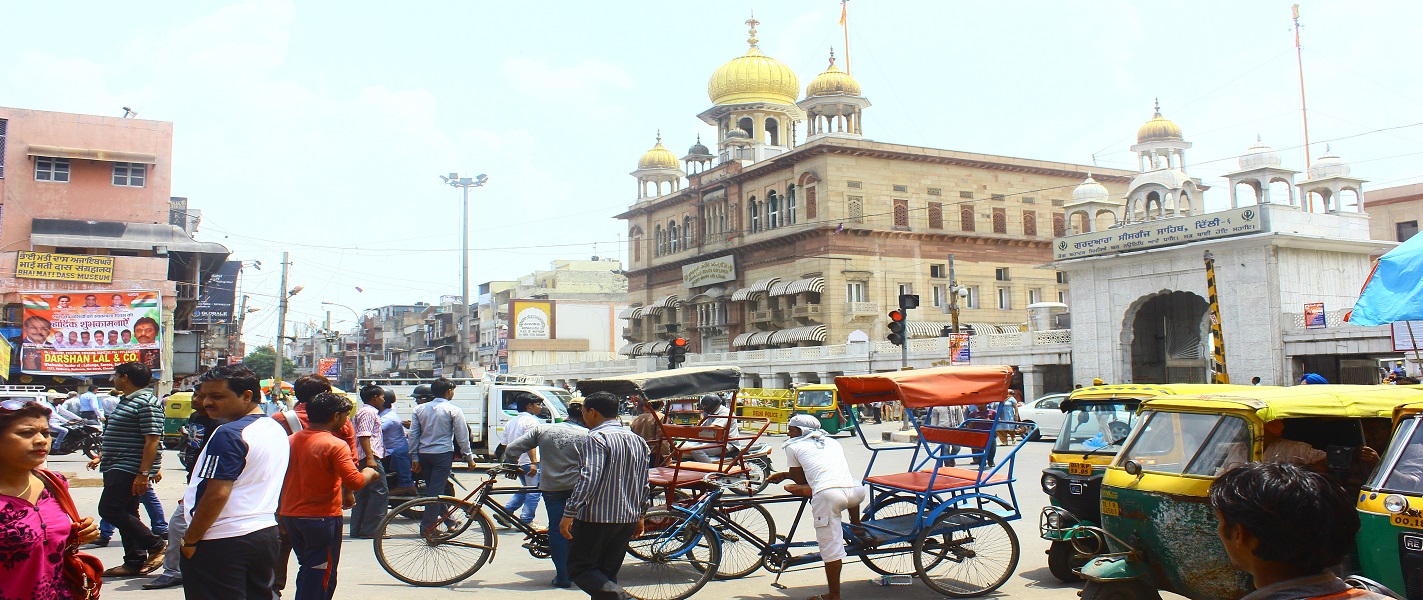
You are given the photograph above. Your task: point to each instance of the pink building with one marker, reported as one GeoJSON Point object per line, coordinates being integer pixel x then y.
{"type": "Point", "coordinates": [100, 186]}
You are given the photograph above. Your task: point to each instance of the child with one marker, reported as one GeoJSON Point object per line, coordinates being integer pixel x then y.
{"type": "Point", "coordinates": [310, 511]}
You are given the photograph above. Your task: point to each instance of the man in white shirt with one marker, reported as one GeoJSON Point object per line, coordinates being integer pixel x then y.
{"type": "Point", "coordinates": [818, 469]}
{"type": "Point", "coordinates": [59, 418]}
{"type": "Point", "coordinates": [231, 545]}
{"type": "Point", "coordinates": [529, 406]}
{"type": "Point", "coordinates": [90, 408]}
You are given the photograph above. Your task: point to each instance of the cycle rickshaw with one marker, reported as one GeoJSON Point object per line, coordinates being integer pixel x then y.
{"type": "Point", "coordinates": [948, 525]}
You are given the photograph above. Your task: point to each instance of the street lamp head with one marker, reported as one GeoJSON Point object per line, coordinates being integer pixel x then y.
{"type": "Point", "coordinates": [481, 178]}
{"type": "Point", "coordinates": [296, 290]}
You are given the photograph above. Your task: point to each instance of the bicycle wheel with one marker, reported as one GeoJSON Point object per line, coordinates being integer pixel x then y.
{"type": "Point", "coordinates": [451, 552]}
{"type": "Point", "coordinates": [892, 558]}
{"type": "Point", "coordinates": [679, 556]}
{"type": "Point", "coordinates": [966, 552]}
{"type": "Point", "coordinates": [740, 556]}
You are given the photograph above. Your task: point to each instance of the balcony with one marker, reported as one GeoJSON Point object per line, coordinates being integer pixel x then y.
{"type": "Point", "coordinates": [630, 334]}
{"type": "Point", "coordinates": [760, 316]}
{"type": "Point", "coordinates": [809, 312]}
{"type": "Point", "coordinates": [857, 310]}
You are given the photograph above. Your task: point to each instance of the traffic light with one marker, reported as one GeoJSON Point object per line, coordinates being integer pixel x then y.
{"type": "Point", "coordinates": [908, 301]}
{"type": "Point", "coordinates": [677, 353]}
{"type": "Point", "coordinates": [947, 331]}
{"type": "Point", "coordinates": [896, 327]}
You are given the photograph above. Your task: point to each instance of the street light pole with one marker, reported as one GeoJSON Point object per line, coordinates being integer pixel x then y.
{"type": "Point", "coordinates": [284, 295]}
{"type": "Point", "coordinates": [359, 323]}
{"type": "Point", "coordinates": [464, 183]}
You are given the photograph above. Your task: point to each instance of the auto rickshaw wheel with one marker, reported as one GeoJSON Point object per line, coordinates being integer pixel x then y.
{"type": "Point", "coordinates": [1119, 590]}
{"type": "Point", "coordinates": [1059, 561]}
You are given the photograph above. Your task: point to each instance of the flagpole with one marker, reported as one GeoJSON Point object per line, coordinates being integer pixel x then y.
{"type": "Point", "coordinates": [845, 26]}
{"type": "Point", "coordinates": [1304, 113]}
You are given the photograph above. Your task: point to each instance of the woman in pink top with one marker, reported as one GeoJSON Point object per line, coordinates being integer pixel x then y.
{"type": "Point", "coordinates": [33, 526]}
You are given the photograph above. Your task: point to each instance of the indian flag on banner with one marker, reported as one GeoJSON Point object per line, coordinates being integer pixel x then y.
{"type": "Point", "coordinates": [145, 300]}
{"type": "Point", "coordinates": [34, 303]}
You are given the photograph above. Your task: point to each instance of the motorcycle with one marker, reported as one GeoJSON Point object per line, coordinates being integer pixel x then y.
{"type": "Point", "coordinates": [758, 461]}
{"type": "Point", "coordinates": [81, 436]}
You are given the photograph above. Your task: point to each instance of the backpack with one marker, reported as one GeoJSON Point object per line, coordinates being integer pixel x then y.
{"type": "Point", "coordinates": [293, 421]}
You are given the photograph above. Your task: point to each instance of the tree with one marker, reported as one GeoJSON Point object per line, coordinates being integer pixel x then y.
{"type": "Point", "coordinates": [263, 362]}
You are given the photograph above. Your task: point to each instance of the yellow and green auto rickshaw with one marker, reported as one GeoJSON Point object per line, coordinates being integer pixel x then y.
{"type": "Point", "coordinates": [1096, 421]}
{"type": "Point", "coordinates": [1390, 509]}
{"type": "Point", "coordinates": [1156, 515]}
{"type": "Point", "coordinates": [822, 401]}
{"type": "Point", "coordinates": [176, 409]}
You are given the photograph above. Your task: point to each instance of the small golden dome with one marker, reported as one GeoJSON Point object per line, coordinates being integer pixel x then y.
{"type": "Point", "coordinates": [659, 157]}
{"type": "Point", "coordinates": [833, 82]}
{"type": "Point", "coordinates": [1159, 128]}
{"type": "Point", "coordinates": [753, 77]}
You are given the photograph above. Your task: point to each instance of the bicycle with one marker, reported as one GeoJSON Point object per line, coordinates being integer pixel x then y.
{"type": "Point", "coordinates": [449, 548]}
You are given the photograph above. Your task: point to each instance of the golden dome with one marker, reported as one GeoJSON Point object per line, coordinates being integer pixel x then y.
{"type": "Point", "coordinates": [753, 77]}
{"type": "Point", "coordinates": [659, 157]}
{"type": "Point", "coordinates": [1158, 128]}
{"type": "Point", "coordinates": [833, 82]}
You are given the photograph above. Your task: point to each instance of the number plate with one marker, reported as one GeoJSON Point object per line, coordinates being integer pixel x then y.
{"type": "Point", "coordinates": [1079, 468]}
{"type": "Point", "coordinates": [1111, 508]}
{"type": "Point", "coordinates": [1407, 521]}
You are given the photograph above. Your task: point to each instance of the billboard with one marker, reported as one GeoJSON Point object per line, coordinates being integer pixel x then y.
{"type": "Point", "coordinates": [328, 367]}
{"type": "Point", "coordinates": [89, 332]}
{"type": "Point", "coordinates": [216, 300]}
{"type": "Point", "coordinates": [1314, 315]}
{"type": "Point", "coordinates": [959, 348]}
{"type": "Point", "coordinates": [531, 320]}
{"type": "Point", "coordinates": [1163, 232]}
{"type": "Point", "coordinates": [716, 270]}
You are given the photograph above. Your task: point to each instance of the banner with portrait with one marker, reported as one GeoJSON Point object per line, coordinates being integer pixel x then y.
{"type": "Point", "coordinates": [89, 332]}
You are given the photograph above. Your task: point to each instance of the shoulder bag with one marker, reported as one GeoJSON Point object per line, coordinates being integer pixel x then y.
{"type": "Point", "coordinates": [84, 572]}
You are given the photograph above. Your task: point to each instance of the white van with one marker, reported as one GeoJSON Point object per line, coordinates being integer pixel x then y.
{"type": "Point", "coordinates": [479, 400]}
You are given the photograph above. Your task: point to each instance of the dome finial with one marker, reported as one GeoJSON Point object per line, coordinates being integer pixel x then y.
{"type": "Point", "coordinates": [659, 135]}
{"type": "Point", "coordinates": [752, 23]}
{"type": "Point", "coordinates": [832, 56]}
{"type": "Point", "coordinates": [1158, 106]}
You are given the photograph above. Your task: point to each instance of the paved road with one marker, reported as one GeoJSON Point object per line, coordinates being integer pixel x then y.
{"type": "Point", "coordinates": [514, 571]}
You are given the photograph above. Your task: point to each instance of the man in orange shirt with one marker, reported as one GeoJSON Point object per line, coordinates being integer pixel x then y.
{"type": "Point", "coordinates": [321, 465]}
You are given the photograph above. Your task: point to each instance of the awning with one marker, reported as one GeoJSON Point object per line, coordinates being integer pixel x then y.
{"type": "Point", "coordinates": [657, 307]}
{"type": "Point", "coordinates": [712, 294]}
{"type": "Point", "coordinates": [760, 338]}
{"type": "Point", "coordinates": [754, 290]}
{"type": "Point", "coordinates": [796, 335]}
{"type": "Point", "coordinates": [630, 312]}
{"type": "Point", "coordinates": [925, 329]}
{"type": "Point", "coordinates": [801, 286]}
{"type": "Point", "coordinates": [741, 339]}
{"type": "Point", "coordinates": [630, 349]}
{"type": "Point", "coordinates": [778, 288]}
{"type": "Point", "coordinates": [637, 313]}
{"type": "Point", "coordinates": [113, 235]}
{"type": "Point", "coordinates": [655, 348]}
{"type": "Point", "coordinates": [92, 154]}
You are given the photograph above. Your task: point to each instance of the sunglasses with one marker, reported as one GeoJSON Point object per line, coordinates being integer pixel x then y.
{"type": "Point", "coordinates": [15, 404]}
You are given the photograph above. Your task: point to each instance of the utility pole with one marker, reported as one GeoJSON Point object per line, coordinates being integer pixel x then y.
{"type": "Point", "coordinates": [241, 319]}
{"type": "Point", "coordinates": [464, 183]}
{"type": "Point", "coordinates": [281, 326]}
{"type": "Point", "coordinates": [953, 296]}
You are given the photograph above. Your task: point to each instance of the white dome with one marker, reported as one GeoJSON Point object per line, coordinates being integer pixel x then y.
{"type": "Point", "coordinates": [1259, 155]}
{"type": "Point", "coordinates": [1329, 165]}
{"type": "Point", "coordinates": [1090, 191]}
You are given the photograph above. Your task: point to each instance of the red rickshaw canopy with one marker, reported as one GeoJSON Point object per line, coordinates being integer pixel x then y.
{"type": "Point", "coordinates": [923, 388]}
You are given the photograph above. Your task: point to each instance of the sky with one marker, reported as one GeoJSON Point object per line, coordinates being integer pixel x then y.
{"type": "Point", "coordinates": [321, 127]}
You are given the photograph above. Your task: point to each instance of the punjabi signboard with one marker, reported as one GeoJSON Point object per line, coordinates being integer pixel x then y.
{"type": "Point", "coordinates": [89, 332]}
{"type": "Point", "coordinates": [707, 272]}
{"type": "Point", "coordinates": [1163, 232]}
{"type": "Point", "coordinates": [531, 319]}
{"type": "Point", "coordinates": [64, 267]}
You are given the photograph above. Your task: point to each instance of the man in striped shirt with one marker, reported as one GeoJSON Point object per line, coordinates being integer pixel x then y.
{"type": "Point", "coordinates": [128, 458]}
{"type": "Point", "coordinates": [606, 508]}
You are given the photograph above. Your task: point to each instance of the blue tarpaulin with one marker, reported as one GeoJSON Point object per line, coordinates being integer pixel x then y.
{"type": "Point", "coordinates": [1394, 291]}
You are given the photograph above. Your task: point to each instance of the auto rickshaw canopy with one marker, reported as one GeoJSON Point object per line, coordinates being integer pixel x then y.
{"type": "Point", "coordinates": [1142, 391]}
{"type": "Point", "coordinates": [1301, 401]}
{"type": "Point", "coordinates": [1404, 411]}
{"type": "Point", "coordinates": [656, 385]}
{"type": "Point", "coordinates": [923, 388]}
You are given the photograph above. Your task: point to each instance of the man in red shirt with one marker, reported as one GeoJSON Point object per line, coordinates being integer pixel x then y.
{"type": "Point", "coordinates": [321, 466]}
{"type": "Point", "coordinates": [294, 420]}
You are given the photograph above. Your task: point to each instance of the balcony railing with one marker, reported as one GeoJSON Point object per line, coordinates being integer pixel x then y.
{"type": "Point", "coordinates": [806, 311]}
{"type": "Point", "coordinates": [861, 308]}
{"type": "Point", "coordinates": [761, 316]}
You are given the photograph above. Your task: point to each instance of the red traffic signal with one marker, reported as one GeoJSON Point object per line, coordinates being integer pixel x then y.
{"type": "Point", "coordinates": [896, 327]}
{"type": "Point", "coordinates": [680, 342]}
{"type": "Point", "coordinates": [896, 315]}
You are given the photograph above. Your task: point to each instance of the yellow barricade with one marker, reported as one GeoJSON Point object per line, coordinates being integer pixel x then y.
{"type": "Point", "coordinates": [769, 403]}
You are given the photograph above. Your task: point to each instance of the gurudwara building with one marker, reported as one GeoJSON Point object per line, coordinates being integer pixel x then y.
{"type": "Point", "coordinates": [764, 240]}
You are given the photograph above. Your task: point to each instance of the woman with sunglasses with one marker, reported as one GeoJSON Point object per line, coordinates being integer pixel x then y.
{"type": "Point", "coordinates": [33, 527]}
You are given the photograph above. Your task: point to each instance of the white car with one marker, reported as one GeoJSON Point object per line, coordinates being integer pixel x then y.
{"type": "Point", "coordinates": [1046, 412]}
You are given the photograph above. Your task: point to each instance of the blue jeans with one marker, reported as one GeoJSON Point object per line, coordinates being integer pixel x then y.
{"type": "Point", "coordinates": [152, 506]}
{"type": "Point", "coordinates": [530, 500]}
{"type": "Point", "coordinates": [316, 541]}
{"type": "Point", "coordinates": [436, 468]}
{"type": "Point", "coordinates": [397, 466]}
{"type": "Point", "coordinates": [557, 544]}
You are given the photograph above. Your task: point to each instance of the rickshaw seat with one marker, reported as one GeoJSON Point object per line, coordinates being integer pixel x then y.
{"type": "Point", "coordinates": [672, 476]}
{"type": "Point", "coordinates": [949, 478]}
{"type": "Point", "coordinates": [707, 467]}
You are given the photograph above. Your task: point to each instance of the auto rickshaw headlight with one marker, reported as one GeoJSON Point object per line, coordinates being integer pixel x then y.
{"type": "Point", "coordinates": [1395, 503]}
{"type": "Point", "coordinates": [1049, 483]}
{"type": "Point", "coordinates": [1054, 520]}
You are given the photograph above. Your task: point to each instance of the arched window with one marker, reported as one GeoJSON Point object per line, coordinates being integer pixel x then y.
{"type": "Point", "coordinates": [687, 232]}
{"type": "Point", "coordinates": [672, 245]}
{"type": "Point", "coordinates": [753, 210]}
{"type": "Point", "coordinates": [637, 248]}
{"type": "Point", "coordinates": [661, 242]}
{"type": "Point", "coordinates": [773, 132]}
{"type": "Point", "coordinates": [773, 215]}
{"type": "Point", "coordinates": [790, 204]}
{"type": "Point", "coordinates": [721, 217]}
